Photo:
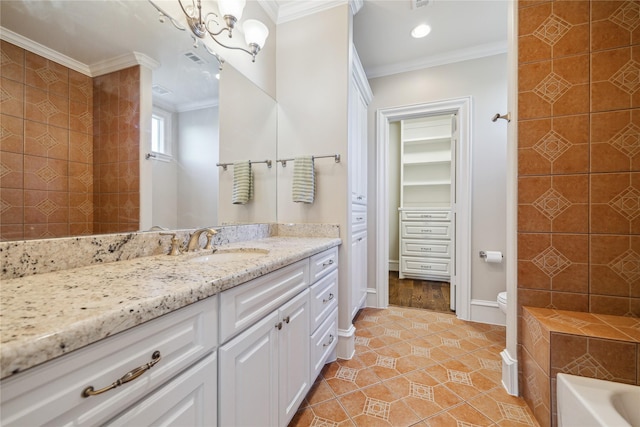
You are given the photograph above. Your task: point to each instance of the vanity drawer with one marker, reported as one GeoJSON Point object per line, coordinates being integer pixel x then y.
{"type": "Point", "coordinates": [244, 305]}
{"type": "Point", "coordinates": [426, 230]}
{"type": "Point", "coordinates": [323, 342]}
{"type": "Point", "coordinates": [358, 218]}
{"type": "Point", "coordinates": [428, 266]}
{"type": "Point", "coordinates": [444, 215]}
{"type": "Point", "coordinates": [323, 263]}
{"type": "Point", "coordinates": [52, 393]}
{"type": "Point", "coordinates": [323, 299]}
{"type": "Point", "coordinates": [429, 248]}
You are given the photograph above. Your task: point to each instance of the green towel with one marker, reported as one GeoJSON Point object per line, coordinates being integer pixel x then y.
{"type": "Point", "coordinates": [242, 183]}
{"type": "Point", "coordinates": [304, 182]}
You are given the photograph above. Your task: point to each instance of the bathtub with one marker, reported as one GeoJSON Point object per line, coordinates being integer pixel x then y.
{"type": "Point", "coordinates": [586, 402]}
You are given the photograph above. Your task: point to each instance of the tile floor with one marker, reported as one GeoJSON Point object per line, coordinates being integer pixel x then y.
{"type": "Point", "coordinates": [415, 367]}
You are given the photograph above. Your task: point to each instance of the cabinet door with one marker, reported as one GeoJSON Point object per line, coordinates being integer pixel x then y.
{"type": "Point", "coordinates": [187, 400]}
{"type": "Point", "coordinates": [248, 376]}
{"type": "Point", "coordinates": [358, 272]}
{"type": "Point", "coordinates": [293, 340]}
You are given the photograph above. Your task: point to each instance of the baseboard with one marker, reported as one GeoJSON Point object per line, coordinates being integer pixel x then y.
{"type": "Point", "coordinates": [484, 311]}
{"type": "Point", "coordinates": [394, 265]}
{"type": "Point", "coordinates": [372, 298]}
{"type": "Point", "coordinates": [509, 373]}
{"type": "Point", "coordinates": [346, 347]}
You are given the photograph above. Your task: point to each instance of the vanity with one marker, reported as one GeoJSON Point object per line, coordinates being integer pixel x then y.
{"type": "Point", "coordinates": [233, 337]}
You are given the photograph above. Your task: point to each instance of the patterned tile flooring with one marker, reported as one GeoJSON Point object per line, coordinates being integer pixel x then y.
{"type": "Point", "coordinates": [415, 367]}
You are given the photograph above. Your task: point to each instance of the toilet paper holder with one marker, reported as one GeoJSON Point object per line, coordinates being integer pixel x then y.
{"type": "Point", "coordinates": [483, 254]}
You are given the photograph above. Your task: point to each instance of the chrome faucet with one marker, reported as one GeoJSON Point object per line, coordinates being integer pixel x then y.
{"type": "Point", "coordinates": [194, 239]}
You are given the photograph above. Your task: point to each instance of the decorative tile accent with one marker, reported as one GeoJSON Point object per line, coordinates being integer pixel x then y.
{"type": "Point", "coordinates": [627, 15]}
{"type": "Point", "coordinates": [421, 391]}
{"type": "Point", "coordinates": [47, 174]}
{"type": "Point", "coordinates": [551, 261]}
{"type": "Point", "coordinates": [47, 75]}
{"type": "Point", "coordinates": [322, 422]}
{"type": "Point", "coordinates": [552, 29]}
{"type": "Point", "coordinates": [627, 140]}
{"type": "Point", "coordinates": [450, 342]}
{"type": "Point", "coordinates": [364, 341]}
{"type": "Point", "coordinates": [627, 78]}
{"type": "Point", "coordinates": [627, 265]}
{"type": "Point", "coordinates": [551, 203]}
{"type": "Point", "coordinates": [459, 377]}
{"type": "Point", "coordinates": [421, 351]}
{"type": "Point", "coordinates": [587, 366]}
{"type": "Point", "coordinates": [515, 413]}
{"type": "Point", "coordinates": [386, 362]}
{"type": "Point", "coordinates": [534, 329]}
{"type": "Point", "coordinates": [490, 364]}
{"type": "Point", "coordinates": [377, 408]}
{"type": "Point", "coordinates": [552, 88]}
{"type": "Point", "coordinates": [392, 333]}
{"type": "Point", "coordinates": [347, 374]}
{"type": "Point", "coordinates": [476, 334]}
{"type": "Point", "coordinates": [47, 108]}
{"type": "Point", "coordinates": [551, 146]}
{"type": "Point", "coordinates": [47, 207]}
{"type": "Point", "coordinates": [373, 319]}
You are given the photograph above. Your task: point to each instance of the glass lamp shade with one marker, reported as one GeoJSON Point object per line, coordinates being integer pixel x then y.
{"type": "Point", "coordinates": [231, 7]}
{"type": "Point", "coordinates": [255, 32]}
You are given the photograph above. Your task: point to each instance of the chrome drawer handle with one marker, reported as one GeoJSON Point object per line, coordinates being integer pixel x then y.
{"type": "Point", "coordinates": [426, 231]}
{"type": "Point", "coordinates": [425, 216]}
{"type": "Point", "coordinates": [324, 301]}
{"type": "Point", "coordinates": [330, 341]}
{"type": "Point", "coordinates": [425, 267]}
{"type": "Point", "coordinates": [328, 263]}
{"type": "Point", "coordinates": [129, 376]}
{"type": "Point", "coordinates": [425, 249]}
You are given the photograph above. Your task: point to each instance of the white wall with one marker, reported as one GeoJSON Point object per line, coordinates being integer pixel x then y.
{"type": "Point", "coordinates": [197, 155]}
{"type": "Point", "coordinates": [312, 91]}
{"type": "Point", "coordinates": [165, 184]}
{"type": "Point", "coordinates": [485, 80]}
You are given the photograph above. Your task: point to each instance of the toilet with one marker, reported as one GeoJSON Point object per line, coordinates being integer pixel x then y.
{"type": "Point", "coordinates": [502, 301]}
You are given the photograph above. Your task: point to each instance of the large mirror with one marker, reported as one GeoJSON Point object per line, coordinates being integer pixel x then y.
{"type": "Point", "coordinates": [76, 154]}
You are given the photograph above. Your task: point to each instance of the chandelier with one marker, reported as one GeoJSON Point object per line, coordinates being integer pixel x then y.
{"type": "Point", "coordinates": [203, 25]}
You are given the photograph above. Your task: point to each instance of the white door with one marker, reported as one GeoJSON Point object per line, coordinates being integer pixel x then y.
{"type": "Point", "coordinates": [248, 376]}
{"type": "Point", "coordinates": [294, 356]}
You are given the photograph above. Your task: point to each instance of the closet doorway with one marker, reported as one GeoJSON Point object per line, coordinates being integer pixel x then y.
{"type": "Point", "coordinates": [421, 197]}
{"type": "Point", "coordinates": [428, 195]}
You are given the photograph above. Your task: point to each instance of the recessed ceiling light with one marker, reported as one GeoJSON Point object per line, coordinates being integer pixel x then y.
{"type": "Point", "coordinates": [420, 31]}
{"type": "Point", "coordinates": [218, 76]}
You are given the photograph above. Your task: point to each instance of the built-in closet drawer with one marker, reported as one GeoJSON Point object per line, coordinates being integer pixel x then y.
{"type": "Point", "coordinates": [323, 342]}
{"type": "Point", "coordinates": [54, 393]}
{"type": "Point", "coordinates": [426, 230]}
{"type": "Point", "coordinates": [429, 266]}
{"type": "Point", "coordinates": [242, 306]}
{"type": "Point", "coordinates": [444, 215]}
{"type": "Point", "coordinates": [358, 218]}
{"type": "Point", "coordinates": [323, 263]}
{"type": "Point", "coordinates": [323, 299]}
{"type": "Point", "coordinates": [426, 248]}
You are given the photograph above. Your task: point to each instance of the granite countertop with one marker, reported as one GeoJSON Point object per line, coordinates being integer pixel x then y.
{"type": "Point", "coordinates": [48, 315]}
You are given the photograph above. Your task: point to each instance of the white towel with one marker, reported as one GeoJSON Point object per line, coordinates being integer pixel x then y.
{"type": "Point", "coordinates": [304, 182]}
{"type": "Point", "coordinates": [242, 183]}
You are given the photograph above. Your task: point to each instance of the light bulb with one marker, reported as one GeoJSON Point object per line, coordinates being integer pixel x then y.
{"type": "Point", "coordinates": [420, 31]}
{"type": "Point", "coordinates": [231, 7]}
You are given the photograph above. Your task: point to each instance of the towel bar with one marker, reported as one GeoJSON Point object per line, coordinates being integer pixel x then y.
{"type": "Point", "coordinates": [224, 165]}
{"type": "Point", "coordinates": [334, 156]}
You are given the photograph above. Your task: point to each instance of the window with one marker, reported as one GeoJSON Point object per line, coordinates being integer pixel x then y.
{"type": "Point", "coordinates": [161, 133]}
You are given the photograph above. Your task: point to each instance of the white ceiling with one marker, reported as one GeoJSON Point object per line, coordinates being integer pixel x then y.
{"type": "Point", "coordinates": [90, 31]}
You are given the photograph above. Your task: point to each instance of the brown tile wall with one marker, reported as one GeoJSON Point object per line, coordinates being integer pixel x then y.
{"type": "Point", "coordinates": [46, 152]}
{"type": "Point", "coordinates": [52, 169]}
{"type": "Point", "coordinates": [116, 104]}
{"type": "Point", "coordinates": [578, 173]}
{"type": "Point", "coordinates": [579, 156]}
{"type": "Point", "coordinates": [595, 346]}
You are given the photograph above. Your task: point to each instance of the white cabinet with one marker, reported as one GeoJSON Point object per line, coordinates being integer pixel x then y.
{"type": "Point", "coordinates": [267, 366]}
{"type": "Point", "coordinates": [53, 393]}
{"type": "Point", "coordinates": [427, 190]}
{"type": "Point", "coordinates": [358, 272]}
{"type": "Point", "coordinates": [359, 98]}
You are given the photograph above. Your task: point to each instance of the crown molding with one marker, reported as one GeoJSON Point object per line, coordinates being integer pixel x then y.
{"type": "Point", "coordinates": [271, 9]}
{"type": "Point", "coordinates": [460, 55]}
{"type": "Point", "coordinates": [198, 105]}
{"type": "Point", "coordinates": [297, 9]}
{"type": "Point", "coordinates": [103, 67]}
{"type": "Point", "coordinates": [121, 62]}
{"type": "Point", "coordinates": [44, 51]}
{"type": "Point", "coordinates": [355, 6]}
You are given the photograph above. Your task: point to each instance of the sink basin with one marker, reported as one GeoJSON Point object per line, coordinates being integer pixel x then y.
{"type": "Point", "coordinates": [226, 255]}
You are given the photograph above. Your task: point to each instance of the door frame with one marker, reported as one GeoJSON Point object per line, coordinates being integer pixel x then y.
{"type": "Point", "coordinates": [461, 278]}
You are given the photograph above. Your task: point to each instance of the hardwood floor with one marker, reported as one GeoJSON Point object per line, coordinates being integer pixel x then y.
{"type": "Point", "coordinates": [418, 293]}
